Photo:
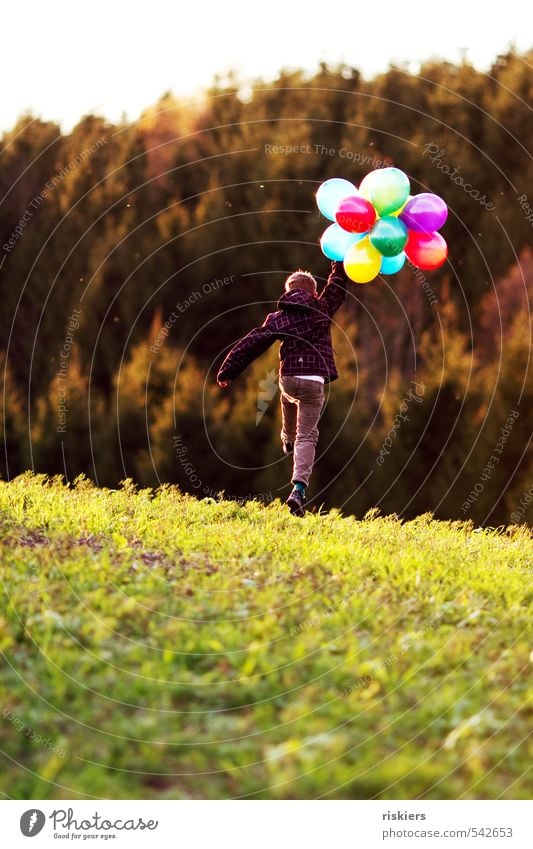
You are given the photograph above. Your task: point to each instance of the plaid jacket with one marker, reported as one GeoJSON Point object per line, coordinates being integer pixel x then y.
{"type": "Point", "coordinates": [302, 323]}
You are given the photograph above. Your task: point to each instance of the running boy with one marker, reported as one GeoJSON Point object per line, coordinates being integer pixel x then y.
{"type": "Point", "coordinates": [302, 323]}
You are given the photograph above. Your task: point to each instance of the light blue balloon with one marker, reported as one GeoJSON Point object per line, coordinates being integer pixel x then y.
{"type": "Point", "coordinates": [392, 264]}
{"type": "Point", "coordinates": [335, 241]}
{"type": "Point", "coordinates": [330, 194]}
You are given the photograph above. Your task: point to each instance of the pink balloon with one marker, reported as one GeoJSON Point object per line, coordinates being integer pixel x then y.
{"type": "Point", "coordinates": [355, 214]}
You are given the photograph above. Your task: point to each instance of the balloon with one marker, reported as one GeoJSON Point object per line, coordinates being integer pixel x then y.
{"type": "Point", "coordinates": [389, 190]}
{"type": "Point", "coordinates": [355, 214]}
{"type": "Point", "coordinates": [365, 187]}
{"type": "Point", "coordinates": [426, 250]}
{"type": "Point", "coordinates": [424, 213]}
{"type": "Point", "coordinates": [330, 194]}
{"type": "Point", "coordinates": [399, 211]}
{"type": "Point", "coordinates": [380, 225]}
{"type": "Point", "coordinates": [335, 241]}
{"type": "Point", "coordinates": [362, 261]}
{"type": "Point", "coordinates": [389, 235]}
{"type": "Point", "coordinates": [392, 264]}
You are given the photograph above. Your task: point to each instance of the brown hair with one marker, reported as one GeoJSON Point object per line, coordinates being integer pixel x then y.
{"type": "Point", "coordinates": [301, 280]}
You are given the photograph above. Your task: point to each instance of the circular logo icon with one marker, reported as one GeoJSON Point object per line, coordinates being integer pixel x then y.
{"type": "Point", "coordinates": [32, 822]}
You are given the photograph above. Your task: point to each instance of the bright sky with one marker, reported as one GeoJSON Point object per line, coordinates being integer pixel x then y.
{"type": "Point", "coordinates": [64, 58]}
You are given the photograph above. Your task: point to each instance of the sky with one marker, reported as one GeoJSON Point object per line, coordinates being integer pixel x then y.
{"type": "Point", "coordinates": [61, 59]}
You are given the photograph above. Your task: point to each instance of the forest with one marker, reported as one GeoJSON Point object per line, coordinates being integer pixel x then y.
{"type": "Point", "coordinates": [133, 255]}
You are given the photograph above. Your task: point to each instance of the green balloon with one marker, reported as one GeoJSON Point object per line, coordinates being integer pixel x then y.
{"type": "Point", "coordinates": [389, 236]}
{"type": "Point", "coordinates": [390, 189]}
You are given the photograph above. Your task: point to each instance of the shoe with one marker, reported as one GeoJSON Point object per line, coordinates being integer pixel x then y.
{"type": "Point", "coordinates": [296, 502]}
{"type": "Point", "coordinates": [288, 447]}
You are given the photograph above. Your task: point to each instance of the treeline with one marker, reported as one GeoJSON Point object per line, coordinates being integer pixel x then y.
{"type": "Point", "coordinates": [133, 255]}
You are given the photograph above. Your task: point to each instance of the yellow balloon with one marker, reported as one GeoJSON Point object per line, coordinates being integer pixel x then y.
{"type": "Point", "coordinates": [362, 261]}
{"type": "Point", "coordinates": [399, 211]}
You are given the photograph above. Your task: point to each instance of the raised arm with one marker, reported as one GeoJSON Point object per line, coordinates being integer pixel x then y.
{"type": "Point", "coordinates": [247, 349]}
{"type": "Point", "coordinates": [334, 292]}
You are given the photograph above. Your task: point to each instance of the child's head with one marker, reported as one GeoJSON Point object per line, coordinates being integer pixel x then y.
{"type": "Point", "coordinates": [301, 280]}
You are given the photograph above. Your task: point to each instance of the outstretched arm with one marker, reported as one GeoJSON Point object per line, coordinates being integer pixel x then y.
{"type": "Point", "coordinates": [334, 292]}
{"type": "Point", "coordinates": [247, 349]}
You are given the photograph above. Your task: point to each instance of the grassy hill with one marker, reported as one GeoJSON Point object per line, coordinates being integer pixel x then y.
{"type": "Point", "coordinates": [157, 646]}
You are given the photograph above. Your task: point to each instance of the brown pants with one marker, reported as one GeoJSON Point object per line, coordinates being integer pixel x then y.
{"type": "Point", "coordinates": [301, 406]}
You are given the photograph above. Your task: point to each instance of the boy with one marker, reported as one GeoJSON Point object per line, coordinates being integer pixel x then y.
{"type": "Point", "coordinates": [302, 323]}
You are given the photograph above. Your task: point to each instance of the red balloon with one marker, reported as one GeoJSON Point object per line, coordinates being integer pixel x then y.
{"type": "Point", "coordinates": [355, 214]}
{"type": "Point", "coordinates": [426, 250]}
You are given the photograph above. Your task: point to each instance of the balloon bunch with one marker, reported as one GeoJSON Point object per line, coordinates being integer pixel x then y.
{"type": "Point", "coordinates": [380, 225]}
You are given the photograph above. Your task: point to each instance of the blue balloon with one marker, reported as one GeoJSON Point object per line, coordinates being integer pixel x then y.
{"type": "Point", "coordinates": [392, 264]}
{"type": "Point", "coordinates": [335, 241]}
{"type": "Point", "coordinates": [330, 194]}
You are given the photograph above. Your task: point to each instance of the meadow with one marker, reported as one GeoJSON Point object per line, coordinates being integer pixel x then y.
{"type": "Point", "coordinates": [159, 646]}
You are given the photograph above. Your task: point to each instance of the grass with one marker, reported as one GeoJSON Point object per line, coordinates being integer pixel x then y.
{"type": "Point", "coordinates": [157, 646]}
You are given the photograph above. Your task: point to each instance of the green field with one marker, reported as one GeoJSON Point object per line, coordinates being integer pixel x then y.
{"type": "Point", "coordinates": [157, 646]}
